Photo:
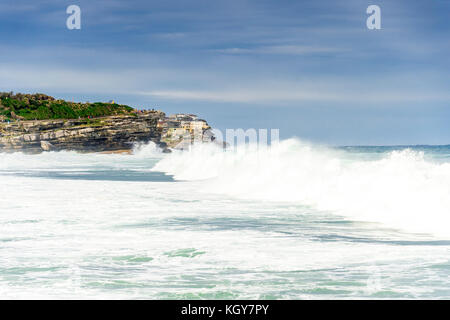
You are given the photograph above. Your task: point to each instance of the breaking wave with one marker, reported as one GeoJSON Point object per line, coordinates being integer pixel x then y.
{"type": "Point", "coordinates": [401, 189]}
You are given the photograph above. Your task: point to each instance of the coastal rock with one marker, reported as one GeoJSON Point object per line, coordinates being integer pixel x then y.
{"type": "Point", "coordinates": [111, 133]}
{"type": "Point", "coordinates": [47, 146]}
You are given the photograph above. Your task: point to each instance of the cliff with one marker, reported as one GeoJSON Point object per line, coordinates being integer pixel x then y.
{"type": "Point", "coordinates": [37, 122]}
{"type": "Point", "coordinates": [110, 133]}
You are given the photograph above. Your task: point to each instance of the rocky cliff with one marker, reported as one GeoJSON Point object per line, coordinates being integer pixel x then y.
{"type": "Point", "coordinates": [111, 133]}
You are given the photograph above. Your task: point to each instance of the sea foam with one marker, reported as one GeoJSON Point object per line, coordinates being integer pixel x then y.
{"type": "Point", "coordinates": [399, 188]}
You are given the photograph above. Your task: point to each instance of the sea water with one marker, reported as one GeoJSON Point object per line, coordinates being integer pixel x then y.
{"type": "Point", "coordinates": [292, 221]}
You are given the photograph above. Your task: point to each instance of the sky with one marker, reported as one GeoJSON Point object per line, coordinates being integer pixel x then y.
{"type": "Point", "coordinates": [310, 68]}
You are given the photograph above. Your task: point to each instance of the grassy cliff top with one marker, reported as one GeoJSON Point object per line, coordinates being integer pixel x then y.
{"type": "Point", "coordinates": [41, 107]}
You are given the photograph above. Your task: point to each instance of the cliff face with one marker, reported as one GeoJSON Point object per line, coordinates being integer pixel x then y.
{"type": "Point", "coordinates": [110, 133]}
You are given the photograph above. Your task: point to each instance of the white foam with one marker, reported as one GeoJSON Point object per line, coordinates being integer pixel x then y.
{"type": "Point", "coordinates": [68, 238]}
{"type": "Point", "coordinates": [401, 189]}
{"type": "Point", "coordinates": [70, 160]}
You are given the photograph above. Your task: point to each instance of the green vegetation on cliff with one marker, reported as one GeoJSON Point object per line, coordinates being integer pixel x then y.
{"type": "Point", "coordinates": [41, 107]}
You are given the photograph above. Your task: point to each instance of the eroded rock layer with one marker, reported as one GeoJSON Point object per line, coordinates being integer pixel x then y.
{"type": "Point", "coordinates": [85, 135]}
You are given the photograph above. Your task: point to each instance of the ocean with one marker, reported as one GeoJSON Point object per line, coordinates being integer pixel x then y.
{"type": "Point", "coordinates": [293, 221]}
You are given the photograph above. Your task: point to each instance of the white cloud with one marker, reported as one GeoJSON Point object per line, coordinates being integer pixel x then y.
{"type": "Point", "coordinates": [273, 95]}
{"type": "Point", "coordinates": [160, 83]}
{"type": "Point", "coordinates": [83, 71]}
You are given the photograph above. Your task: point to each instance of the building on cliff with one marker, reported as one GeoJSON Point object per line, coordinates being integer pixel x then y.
{"type": "Point", "coordinates": [180, 130]}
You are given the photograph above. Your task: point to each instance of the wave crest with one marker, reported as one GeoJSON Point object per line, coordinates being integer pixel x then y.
{"type": "Point", "coordinates": [400, 188]}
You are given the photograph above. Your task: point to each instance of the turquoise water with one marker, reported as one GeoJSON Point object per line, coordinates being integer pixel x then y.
{"type": "Point", "coordinates": [297, 222]}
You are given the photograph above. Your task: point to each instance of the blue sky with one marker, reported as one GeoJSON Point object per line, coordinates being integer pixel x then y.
{"type": "Point", "coordinates": [310, 68]}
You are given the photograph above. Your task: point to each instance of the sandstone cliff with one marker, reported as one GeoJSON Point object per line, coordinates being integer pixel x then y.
{"type": "Point", "coordinates": [111, 133]}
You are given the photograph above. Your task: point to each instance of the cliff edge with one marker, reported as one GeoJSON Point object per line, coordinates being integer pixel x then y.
{"type": "Point", "coordinates": [111, 133]}
{"type": "Point", "coordinates": [37, 122]}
